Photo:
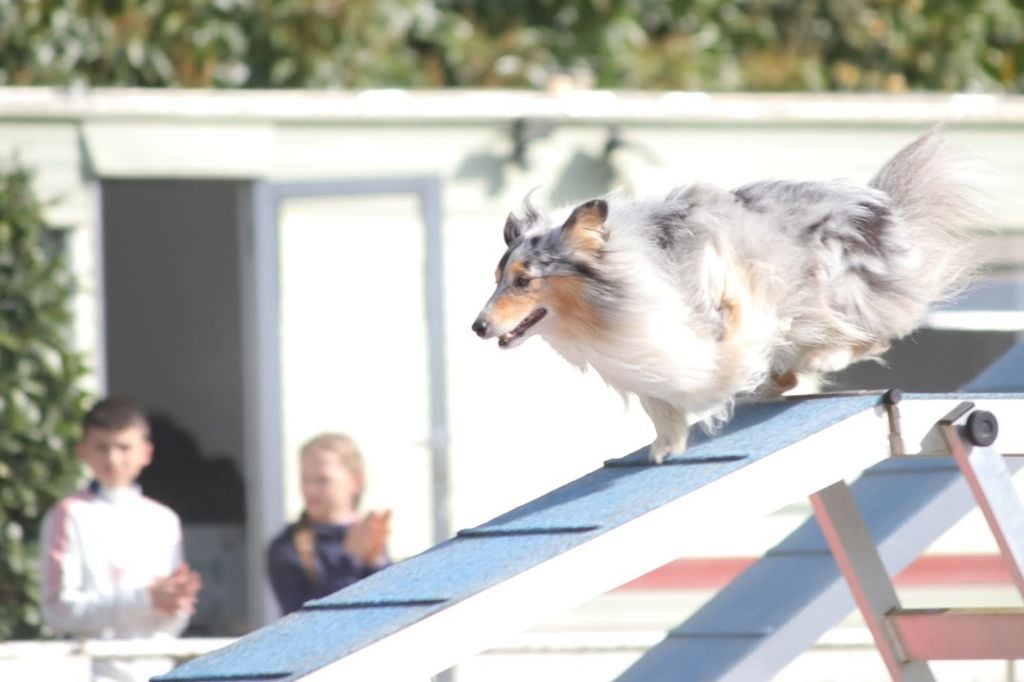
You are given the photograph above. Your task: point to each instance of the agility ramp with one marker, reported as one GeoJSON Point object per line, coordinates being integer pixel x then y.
{"type": "Point", "coordinates": [427, 613]}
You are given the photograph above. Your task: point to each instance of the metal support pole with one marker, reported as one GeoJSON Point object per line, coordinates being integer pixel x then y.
{"type": "Point", "coordinates": [991, 483]}
{"type": "Point", "coordinates": [855, 552]}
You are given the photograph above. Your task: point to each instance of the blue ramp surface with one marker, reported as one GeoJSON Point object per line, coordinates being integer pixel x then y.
{"type": "Point", "coordinates": [329, 629]}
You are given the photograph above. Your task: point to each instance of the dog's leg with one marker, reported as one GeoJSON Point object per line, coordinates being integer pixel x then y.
{"type": "Point", "coordinates": [670, 426]}
{"type": "Point", "coordinates": [778, 384]}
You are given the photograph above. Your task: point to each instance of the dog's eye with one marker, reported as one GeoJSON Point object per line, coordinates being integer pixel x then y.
{"type": "Point", "coordinates": [521, 281]}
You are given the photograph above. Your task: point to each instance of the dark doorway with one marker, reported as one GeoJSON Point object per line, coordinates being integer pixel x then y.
{"type": "Point", "coordinates": [172, 295]}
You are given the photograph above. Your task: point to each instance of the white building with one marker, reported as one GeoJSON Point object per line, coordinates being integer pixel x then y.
{"type": "Point", "coordinates": [257, 267]}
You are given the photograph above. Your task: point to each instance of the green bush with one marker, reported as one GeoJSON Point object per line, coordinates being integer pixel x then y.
{"type": "Point", "coordinates": [714, 45]}
{"type": "Point", "coordinates": [41, 402]}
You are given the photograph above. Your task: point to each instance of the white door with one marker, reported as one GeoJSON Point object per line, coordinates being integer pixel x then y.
{"type": "Point", "coordinates": [345, 335]}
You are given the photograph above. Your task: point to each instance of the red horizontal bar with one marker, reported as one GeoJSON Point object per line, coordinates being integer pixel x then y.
{"type": "Point", "coordinates": [716, 572]}
{"type": "Point", "coordinates": [960, 634]}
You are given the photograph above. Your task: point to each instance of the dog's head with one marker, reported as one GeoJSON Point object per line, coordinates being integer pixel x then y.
{"type": "Point", "coordinates": [544, 273]}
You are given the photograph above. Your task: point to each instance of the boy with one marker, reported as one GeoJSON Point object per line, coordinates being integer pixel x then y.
{"type": "Point", "coordinates": [113, 565]}
{"type": "Point", "coordinates": [330, 546]}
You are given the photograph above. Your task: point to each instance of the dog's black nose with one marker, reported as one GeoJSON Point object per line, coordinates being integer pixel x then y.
{"type": "Point", "coordinates": [480, 327]}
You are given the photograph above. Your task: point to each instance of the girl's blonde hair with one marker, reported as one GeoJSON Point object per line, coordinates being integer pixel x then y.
{"type": "Point", "coordinates": [347, 452]}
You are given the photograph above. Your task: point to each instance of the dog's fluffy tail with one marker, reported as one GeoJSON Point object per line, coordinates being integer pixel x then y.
{"type": "Point", "coordinates": [938, 192]}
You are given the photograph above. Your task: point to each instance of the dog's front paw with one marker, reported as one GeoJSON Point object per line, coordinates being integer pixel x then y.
{"type": "Point", "coordinates": [659, 450]}
{"type": "Point", "coordinates": [670, 428]}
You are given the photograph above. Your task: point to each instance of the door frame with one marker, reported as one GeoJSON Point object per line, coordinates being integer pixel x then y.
{"type": "Point", "coordinates": [261, 320]}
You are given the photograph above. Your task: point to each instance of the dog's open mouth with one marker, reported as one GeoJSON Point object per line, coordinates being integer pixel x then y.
{"type": "Point", "coordinates": [533, 318]}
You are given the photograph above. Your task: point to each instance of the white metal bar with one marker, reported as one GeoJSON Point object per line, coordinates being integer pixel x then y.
{"type": "Point", "coordinates": [429, 192]}
{"type": "Point", "coordinates": [855, 552]}
{"type": "Point", "coordinates": [991, 483]}
{"type": "Point", "coordinates": [960, 634]}
{"type": "Point", "coordinates": [264, 466]}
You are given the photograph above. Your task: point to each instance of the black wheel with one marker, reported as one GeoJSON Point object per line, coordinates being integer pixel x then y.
{"type": "Point", "coordinates": [982, 428]}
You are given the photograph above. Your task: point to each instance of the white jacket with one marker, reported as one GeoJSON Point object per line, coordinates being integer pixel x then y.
{"type": "Point", "coordinates": [101, 550]}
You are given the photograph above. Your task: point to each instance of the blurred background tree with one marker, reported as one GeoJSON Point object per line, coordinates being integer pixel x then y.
{"type": "Point", "coordinates": [41, 401]}
{"type": "Point", "coordinates": [713, 45]}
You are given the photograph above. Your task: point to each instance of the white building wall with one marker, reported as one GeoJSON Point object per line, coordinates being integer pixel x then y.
{"type": "Point", "coordinates": [521, 422]}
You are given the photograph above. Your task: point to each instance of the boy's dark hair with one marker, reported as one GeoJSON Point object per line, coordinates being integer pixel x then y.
{"type": "Point", "coordinates": [115, 413]}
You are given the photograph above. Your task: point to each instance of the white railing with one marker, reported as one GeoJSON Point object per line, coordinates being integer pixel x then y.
{"type": "Point", "coordinates": [71, 660]}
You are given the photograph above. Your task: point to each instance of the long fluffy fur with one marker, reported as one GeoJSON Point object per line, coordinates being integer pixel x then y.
{"type": "Point", "coordinates": [707, 294]}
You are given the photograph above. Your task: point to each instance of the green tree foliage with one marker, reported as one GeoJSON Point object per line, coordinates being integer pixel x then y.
{"type": "Point", "coordinates": [715, 45]}
{"type": "Point", "coordinates": [41, 403]}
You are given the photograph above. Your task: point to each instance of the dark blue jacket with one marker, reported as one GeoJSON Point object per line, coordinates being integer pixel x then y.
{"type": "Point", "coordinates": [334, 568]}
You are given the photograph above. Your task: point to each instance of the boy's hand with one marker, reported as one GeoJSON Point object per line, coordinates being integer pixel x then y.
{"type": "Point", "coordinates": [367, 538]}
{"type": "Point", "coordinates": [176, 593]}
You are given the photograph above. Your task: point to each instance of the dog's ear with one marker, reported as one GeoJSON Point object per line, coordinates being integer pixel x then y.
{"type": "Point", "coordinates": [513, 228]}
{"type": "Point", "coordinates": [585, 227]}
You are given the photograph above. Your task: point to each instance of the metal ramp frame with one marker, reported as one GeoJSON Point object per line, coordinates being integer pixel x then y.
{"type": "Point", "coordinates": [908, 638]}
{"type": "Point", "coordinates": [779, 606]}
{"type": "Point", "coordinates": [763, 619]}
{"type": "Point", "coordinates": [427, 613]}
